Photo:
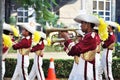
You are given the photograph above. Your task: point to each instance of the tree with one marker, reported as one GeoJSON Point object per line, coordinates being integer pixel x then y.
{"type": "Point", "coordinates": [42, 8]}
{"type": "Point", "coordinates": [1, 24]}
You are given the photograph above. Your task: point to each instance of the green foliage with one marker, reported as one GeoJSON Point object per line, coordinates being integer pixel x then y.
{"type": "Point", "coordinates": [58, 47]}
{"type": "Point", "coordinates": [13, 20]}
{"type": "Point", "coordinates": [116, 68]}
{"type": "Point", "coordinates": [11, 50]}
{"type": "Point", "coordinates": [62, 67]}
{"type": "Point", "coordinates": [49, 49]}
{"type": "Point", "coordinates": [117, 50]}
{"type": "Point", "coordinates": [10, 66]}
{"type": "Point", "coordinates": [42, 8]}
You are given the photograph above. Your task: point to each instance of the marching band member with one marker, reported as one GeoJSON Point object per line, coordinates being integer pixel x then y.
{"type": "Point", "coordinates": [86, 48]}
{"type": "Point", "coordinates": [7, 43]}
{"type": "Point", "coordinates": [9, 32]}
{"type": "Point", "coordinates": [108, 46]}
{"type": "Point", "coordinates": [37, 65]}
{"type": "Point", "coordinates": [75, 67]}
{"type": "Point", "coordinates": [23, 47]}
{"type": "Point", "coordinates": [97, 55]}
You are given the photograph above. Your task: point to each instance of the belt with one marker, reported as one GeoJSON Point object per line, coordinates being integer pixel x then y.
{"type": "Point", "coordinates": [39, 52]}
{"type": "Point", "coordinates": [89, 56]}
{"type": "Point", "coordinates": [24, 51]}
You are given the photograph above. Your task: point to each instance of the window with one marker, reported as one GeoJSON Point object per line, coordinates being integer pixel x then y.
{"type": "Point", "coordinates": [101, 5]}
{"type": "Point", "coordinates": [107, 6]}
{"type": "Point", "coordinates": [22, 15]}
{"type": "Point", "coordinates": [103, 8]}
{"type": "Point", "coordinates": [95, 5]}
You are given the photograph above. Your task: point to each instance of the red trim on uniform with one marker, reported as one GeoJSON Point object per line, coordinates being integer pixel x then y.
{"type": "Point", "coordinates": [3, 60]}
{"type": "Point", "coordinates": [98, 52]}
{"type": "Point", "coordinates": [85, 71]}
{"type": "Point", "coordinates": [23, 67]}
{"type": "Point", "coordinates": [39, 68]}
{"type": "Point", "coordinates": [67, 42]}
{"type": "Point", "coordinates": [107, 64]}
{"type": "Point", "coordinates": [94, 72]}
{"type": "Point", "coordinates": [110, 49]}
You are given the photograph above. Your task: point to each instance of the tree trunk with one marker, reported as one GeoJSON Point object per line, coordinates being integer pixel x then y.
{"type": "Point", "coordinates": [1, 24]}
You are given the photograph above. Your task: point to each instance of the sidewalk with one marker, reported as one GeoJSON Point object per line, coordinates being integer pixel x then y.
{"type": "Point", "coordinates": [35, 79]}
{"type": "Point", "coordinates": [47, 55]}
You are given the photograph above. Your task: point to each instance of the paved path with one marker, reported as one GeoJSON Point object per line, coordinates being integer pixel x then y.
{"type": "Point", "coordinates": [47, 55]}
{"type": "Point", "coordinates": [35, 79]}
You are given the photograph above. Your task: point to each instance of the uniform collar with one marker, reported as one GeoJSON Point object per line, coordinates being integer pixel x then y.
{"type": "Point", "coordinates": [27, 37]}
{"type": "Point", "coordinates": [111, 33]}
{"type": "Point", "coordinates": [91, 33]}
{"type": "Point", "coordinates": [40, 42]}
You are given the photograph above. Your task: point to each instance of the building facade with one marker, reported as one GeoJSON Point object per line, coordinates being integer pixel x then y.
{"type": "Point", "coordinates": [107, 9]}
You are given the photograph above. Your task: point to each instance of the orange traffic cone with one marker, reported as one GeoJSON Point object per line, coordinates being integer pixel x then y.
{"type": "Point", "coordinates": [51, 72]}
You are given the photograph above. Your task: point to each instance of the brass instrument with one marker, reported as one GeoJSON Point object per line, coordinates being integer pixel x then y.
{"type": "Point", "coordinates": [55, 34]}
{"type": "Point", "coordinates": [48, 31]}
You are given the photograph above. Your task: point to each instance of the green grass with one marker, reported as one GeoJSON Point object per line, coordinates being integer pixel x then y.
{"type": "Point", "coordinates": [47, 49]}
{"type": "Point", "coordinates": [12, 50]}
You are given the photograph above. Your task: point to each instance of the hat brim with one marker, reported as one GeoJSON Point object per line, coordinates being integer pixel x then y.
{"type": "Point", "coordinates": [7, 27]}
{"type": "Point", "coordinates": [87, 18]}
{"type": "Point", "coordinates": [112, 24]}
{"type": "Point", "coordinates": [29, 28]}
{"type": "Point", "coordinates": [43, 35]}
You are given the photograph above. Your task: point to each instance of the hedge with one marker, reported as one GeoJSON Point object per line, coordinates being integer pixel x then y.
{"type": "Point", "coordinates": [62, 67]}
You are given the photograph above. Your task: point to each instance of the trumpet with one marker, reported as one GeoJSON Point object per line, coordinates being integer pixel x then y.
{"type": "Point", "coordinates": [54, 34]}
{"type": "Point", "coordinates": [48, 31]}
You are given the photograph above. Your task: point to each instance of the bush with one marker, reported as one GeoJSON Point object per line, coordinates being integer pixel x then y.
{"type": "Point", "coordinates": [62, 67]}
{"type": "Point", "coordinates": [116, 68]}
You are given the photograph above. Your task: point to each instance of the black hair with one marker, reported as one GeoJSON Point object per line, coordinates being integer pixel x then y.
{"type": "Point", "coordinates": [6, 32]}
{"type": "Point", "coordinates": [30, 33]}
{"type": "Point", "coordinates": [112, 27]}
{"type": "Point", "coordinates": [92, 25]}
{"type": "Point", "coordinates": [41, 39]}
{"type": "Point", "coordinates": [95, 30]}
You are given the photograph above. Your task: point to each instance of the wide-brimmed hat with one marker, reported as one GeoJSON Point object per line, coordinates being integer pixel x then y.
{"type": "Point", "coordinates": [87, 18]}
{"type": "Point", "coordinates": [28, 27]}
{"type": "Point", "coordinates": [112, 24]}
{"type": "Point", "coordinates": [7, 27]}
{"type": "Point", "coordinates": [11, 28]}
{"type": "Point", "coordinates": [42, 34]}
{"type": "Point", "coordinates": [32, 29]}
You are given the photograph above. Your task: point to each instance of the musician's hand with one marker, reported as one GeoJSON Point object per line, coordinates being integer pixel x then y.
{"type": "Point", "coordinates": [64, 35]}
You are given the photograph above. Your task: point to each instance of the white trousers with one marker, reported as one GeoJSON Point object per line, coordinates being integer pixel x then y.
{"type": "Point", "coordinates": [37, 69]}
{"type": "Point", "coordinates": [21, 72]}
{"type": "Point", "coordinates": [3, 69]}
{"type": "Point", "coordinates": [106, 64]}
{"type": "Point", "coordinates": [74, 71]}
{"type": "Point", "coordinates": [97, 65]}
{"type": "Point", "coordinates": [82, 71]}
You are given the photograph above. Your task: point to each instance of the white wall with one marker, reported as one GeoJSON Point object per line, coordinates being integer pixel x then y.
{"type": "Point", "coordinates": [70, 11]}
